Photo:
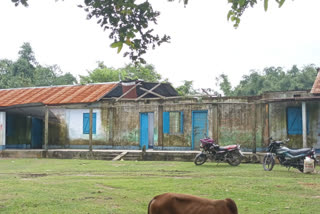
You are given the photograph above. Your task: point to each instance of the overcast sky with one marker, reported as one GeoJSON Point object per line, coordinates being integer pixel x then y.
{"type": "Point", "coordinates": [203, 45]}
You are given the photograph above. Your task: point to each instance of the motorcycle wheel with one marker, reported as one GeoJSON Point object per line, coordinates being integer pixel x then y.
{"type": "Point", "coordinates": [235, 159]}
{"type": "Point", "coordinates": [200, 159]}
{"type": "Point", "coordinates": [268, 162]}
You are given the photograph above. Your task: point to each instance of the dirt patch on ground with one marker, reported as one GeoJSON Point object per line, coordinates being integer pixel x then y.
{"type": "Point", "coordinates": [312, 185]}
{"type": "Point", "coordinates": [87, 175]}
{"type": "Point", "coordinates": [102, 186]}
{"type": "Point", "coordinates": [315, 186]}
{"type": "Point", "coordinates": [117, 164]}
{"type": "Point", "coordinates": [174, 171]}
{"type": "Point", "coordinates": [33, 175]}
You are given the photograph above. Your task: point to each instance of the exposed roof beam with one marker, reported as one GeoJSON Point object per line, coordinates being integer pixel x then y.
{"type": "Point", "coordinates": [154, 93]}
{"type": "Point", "coordinates": [149, 91]}
{"type": "Point", "coordinates": [127, 92]}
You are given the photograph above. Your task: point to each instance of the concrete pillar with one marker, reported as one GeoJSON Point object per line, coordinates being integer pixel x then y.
{"type": "Point", "coordinates": [2, 130]}
{"type": "Point", "coordinates": [304, 124]}
{"type": "Point", "coordinates": [90, 130]}
{"type": "Point", "coordinates": [46, 128]}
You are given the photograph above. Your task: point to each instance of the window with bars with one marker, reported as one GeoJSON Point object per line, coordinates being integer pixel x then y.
{"type": "Point", "coordinates": [173, 122]}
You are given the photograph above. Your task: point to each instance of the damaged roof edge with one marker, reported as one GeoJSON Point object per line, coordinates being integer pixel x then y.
{"type": "Point", "coordinates": [113, 88]}
{"type": "Point", "coordinates": [22, 106]}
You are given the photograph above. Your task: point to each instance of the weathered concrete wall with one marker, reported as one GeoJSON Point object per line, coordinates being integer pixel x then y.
{"type": "Point", "coordinates": [184, 139]}
{"type": "Point", "coordinates": [241, 123]}
{"type": "Point", "coordinates": [126, 124]}
{"type": "Point", "coordinates": [278, 123]}
{"type": "Point", "coordinates": [118, 124]}
{"type": "Point", "coordinates": [240, 120]}
{"type": "Point", "coordinates": [67, 132]}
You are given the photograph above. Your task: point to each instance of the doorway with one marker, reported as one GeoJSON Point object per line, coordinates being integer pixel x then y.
{"type": "Point", "coordinates": [147, 129]}
{"type": "Point", "coordinates": [36, 133]}
{"type": "Point", "coordinates": [199, 127]}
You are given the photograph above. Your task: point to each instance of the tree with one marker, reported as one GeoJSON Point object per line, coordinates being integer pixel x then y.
{"type": "Point", "coordinates": [52, 75]}
{"type": "Point", "coordinates": [144, 72]}
{"type": "Point", "coordinates": [186, 88]}
{"type": "Point", "coordinates": [225, 85]}
{"type": "Point", "coordinates": [272, 79]}
{"type": "Point", "coordinates": [26, 72]}
{"type": "Point", "coordinates": [130, 72]}
{"type": "Point", "coordinates": [27, 53]}
{"type": "Point", "coordinates": [102, 74]}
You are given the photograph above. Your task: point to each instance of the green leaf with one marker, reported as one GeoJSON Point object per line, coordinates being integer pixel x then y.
{"type": "Point", "coordinates": [266, 5]}
{"type": "Point", "coordinates": [115, 44]}
{"type": "Point", "coordinates": [118, 45]}
{"type": "Point", "coordinates": [230, 13]}
{"type": "Point", "coordinates": [281, 2]}
{"type": "Point", "coordinates": [242, 2]}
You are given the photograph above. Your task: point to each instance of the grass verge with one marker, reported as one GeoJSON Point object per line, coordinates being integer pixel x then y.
{"type": "Point", "coordinates": [93, 186]}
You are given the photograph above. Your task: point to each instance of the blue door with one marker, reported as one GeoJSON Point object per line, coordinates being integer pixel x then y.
{"type": "Point", "coordinates": [199, 127]}
{"type": "Point", "coordinates": [294, 121]}
{"type": "Point", "coordinates": [144, 127]}
{"type": "Point", "coordinates": [36, 133]}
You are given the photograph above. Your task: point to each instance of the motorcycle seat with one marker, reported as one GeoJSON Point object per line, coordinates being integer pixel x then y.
{"type": "Point", "coordinates": [227, 147]}
{"type": "Point", "coordinates": [299, 151]}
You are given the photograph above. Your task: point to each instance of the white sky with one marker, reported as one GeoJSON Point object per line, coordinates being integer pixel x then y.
{"type": "Point", "coordinates": [203, 45]}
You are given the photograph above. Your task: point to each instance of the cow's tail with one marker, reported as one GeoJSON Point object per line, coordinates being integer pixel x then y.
{"type": "Point", "coordinates": [149, 205]}
{"type": "Point", "coordinates": [232, 206]}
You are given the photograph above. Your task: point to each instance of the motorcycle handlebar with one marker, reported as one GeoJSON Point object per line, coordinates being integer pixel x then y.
{"type": "Point", "coordinates": [281, 142]}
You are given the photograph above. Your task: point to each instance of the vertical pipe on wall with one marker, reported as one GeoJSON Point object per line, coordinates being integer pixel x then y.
{"type": "Point", "coordinates": [304, 124]}
{"type": "Point", "coordinates": [160, 125]}
{"type": "Point", "coordinates": [90, 130]}
{"type": "Point", "coordinates": [110, 121]}
{"type": "Point", "coordinates": [46, 128]}
{"type": "Point", "coordinates": [254, 131]}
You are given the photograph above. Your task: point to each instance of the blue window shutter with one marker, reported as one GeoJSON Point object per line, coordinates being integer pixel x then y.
{"type": "Point", "coordinates": [294, 120]}
{"type": "Point", "coordinates": [166, 123]}
{"type": "Point", "coordinates": [181, 122]}
{"type": "Point", "coordinates": [86, 123]}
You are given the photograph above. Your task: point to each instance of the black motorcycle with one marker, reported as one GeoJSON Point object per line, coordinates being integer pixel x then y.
{"type": "Point", "coordinates": [209, 149]}
{"type": "Point", "coordinates": [287, 157]}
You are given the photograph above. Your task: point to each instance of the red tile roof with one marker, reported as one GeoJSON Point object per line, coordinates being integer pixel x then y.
{"type": "Point", "coordinates": [316, 85]}
{"type": "Point", "coordinates": [55, 95]}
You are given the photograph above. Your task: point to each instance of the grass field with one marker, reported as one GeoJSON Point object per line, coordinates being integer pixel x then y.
{"type": "Point", "coordinates": [92, 186]}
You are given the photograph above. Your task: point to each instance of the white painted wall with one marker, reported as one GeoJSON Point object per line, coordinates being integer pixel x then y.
{"type": "Point", "coordinates": [74, 120]}
{"type": "Point", "coordinates": [2, 130]}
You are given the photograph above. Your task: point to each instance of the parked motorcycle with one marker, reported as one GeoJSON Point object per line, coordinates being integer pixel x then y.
{"type": "Point", "coordinates": [287, 157]}
{"type": "Point", "coordinates": [209, 149]}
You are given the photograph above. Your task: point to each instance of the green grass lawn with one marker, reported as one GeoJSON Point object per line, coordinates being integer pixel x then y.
{"type": "Point", "coordinates": [93, 186]}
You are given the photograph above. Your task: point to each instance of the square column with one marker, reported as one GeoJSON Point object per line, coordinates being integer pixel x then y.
{"type": "Point", "coordinates": [2, 130]}
{"type": "Point", "coordinates": [304, 125]}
